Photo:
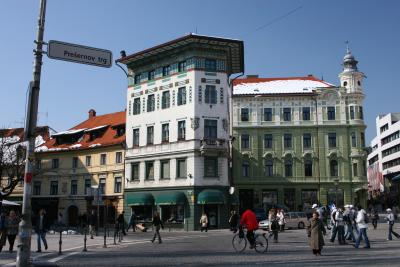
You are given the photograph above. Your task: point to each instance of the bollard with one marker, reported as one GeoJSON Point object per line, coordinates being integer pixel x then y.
{"type": "Point", "coordinates": [119, 236]}
{"type": "Point", "coordinates": [105, 238]}
{"type": "Point", "coordinates": [84, 241]}
{"type": "Point", "coordinates": [60, 244]}
{"type": "Point", "coordinates": [115, 237]}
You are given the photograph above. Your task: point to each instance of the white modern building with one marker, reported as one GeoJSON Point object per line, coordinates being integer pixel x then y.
{"type": "Point", "coordinates": [177, 129]}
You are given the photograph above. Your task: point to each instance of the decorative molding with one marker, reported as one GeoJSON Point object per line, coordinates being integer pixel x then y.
{"type": "Point", "coordinates": [225, 125]}
{"type": "Point", "coordinates": [195, 123]}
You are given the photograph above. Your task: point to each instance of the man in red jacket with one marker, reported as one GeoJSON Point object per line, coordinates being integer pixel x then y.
{"type": "Point", "coordinates": [250, 221]}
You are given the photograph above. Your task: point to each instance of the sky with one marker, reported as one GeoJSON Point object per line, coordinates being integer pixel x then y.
{"type": "Point", "coordinates": [281, 38]}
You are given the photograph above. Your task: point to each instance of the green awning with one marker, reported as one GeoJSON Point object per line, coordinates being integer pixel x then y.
{"type": "Point", "coordinates": [171, 198]}
{"type": "Point", "coordinates": [140, 199]}
{"type": "Point", "coordinates": [210, 196]}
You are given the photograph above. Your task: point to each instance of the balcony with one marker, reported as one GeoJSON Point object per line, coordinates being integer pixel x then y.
{"type": "Point", "coordinates": [214, 147]}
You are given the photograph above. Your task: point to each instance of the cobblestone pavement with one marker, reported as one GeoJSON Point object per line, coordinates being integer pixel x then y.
{"type": "Point", "coordinates": [214, 248]}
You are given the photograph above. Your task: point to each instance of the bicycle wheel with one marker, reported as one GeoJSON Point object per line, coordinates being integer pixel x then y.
{"type": "Point", "coordinates": [239, 243]}
{"type": "Point", "coordinates": [261, 243]}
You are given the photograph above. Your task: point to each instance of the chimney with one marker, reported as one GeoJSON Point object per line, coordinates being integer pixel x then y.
{"type": "Point", "coordinates": [252, 76]}
{"type": "Point", "coordinates": [92, 113]}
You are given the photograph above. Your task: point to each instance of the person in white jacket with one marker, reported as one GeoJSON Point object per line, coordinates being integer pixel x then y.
{"type": "Point", "coordinates": [362, 226]}
{"type": "Point", "coordinates": [281, 220]}
{"type": "Point", "coordinates": [390, 220]}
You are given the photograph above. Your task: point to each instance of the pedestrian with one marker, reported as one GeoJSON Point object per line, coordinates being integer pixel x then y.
{"type": "Point", "coordinates": [281, 220]}
{"type": "Point", "coordinates": [132, 222]}
{"type": "Point", "coordinates": [3, 230]}
{"type": "Point", "coordinates": [315, 231]}
{"type": "Point", "coordinates": [92, 219]}
{"type": "Point", "coordinates": [12, 229]}
{"type": "Point", "coordinates": [121, 222]}
{"type": "Point", "coordinates": [390, 220]}
{"type": "Point", "coordinates": [362, 224]}
{"type": "Point", "coordinates": [340, 226]}
{"type": "Point", "coordinates": [41, 227]}
{"type": "Point", "coordinates": [334, 225]}
{"type": "Point", "coordinates": [204, 222]}
{"type": "Point", "coordinates": [375, 217]}
{"type": "Point", "coordinates": [233, 220]}
{"type": "Point", "coordinates": [347, 217]}
{"type": "Point", "coordinates": [273, 224]}
{"type": "Point", "coordinates": [157, 224]}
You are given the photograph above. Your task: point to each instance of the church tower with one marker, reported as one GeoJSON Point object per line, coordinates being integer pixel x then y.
{"type": "Point", "coordinates": [350, 77]}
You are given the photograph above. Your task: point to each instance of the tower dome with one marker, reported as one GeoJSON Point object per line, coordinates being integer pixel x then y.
{"type": "Point", "coordinates": [349, 62]}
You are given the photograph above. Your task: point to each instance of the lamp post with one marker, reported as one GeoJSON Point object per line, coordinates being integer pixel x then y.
{"type": "Point", "coordinates": [336, 182]}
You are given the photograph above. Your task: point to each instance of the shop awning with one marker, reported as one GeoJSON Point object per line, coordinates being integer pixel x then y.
{"type": "Point", "coordinates": [140, 199]}
{"type": "Point", "coordinates": [210, 196]}
{"type": "Point", "coordinates": [171, 198]}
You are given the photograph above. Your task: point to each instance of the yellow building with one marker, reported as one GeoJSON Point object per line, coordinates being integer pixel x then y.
{"type": "Point", "coordinates": [72, 164]}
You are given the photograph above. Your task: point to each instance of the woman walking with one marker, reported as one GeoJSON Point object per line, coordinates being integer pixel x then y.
{"type": "Point", "coordinates": [281, 220]}
{"type": "Point", "coordinates": [204, 222]}
{"type": "Point", "coordinates": [273, 224]}
{"type": "Point", "coordinates": [315, 231]}
{"type": "Point", "coordinates": [12, 229]}
{"type": "Point", "coordinates": [157, 224]}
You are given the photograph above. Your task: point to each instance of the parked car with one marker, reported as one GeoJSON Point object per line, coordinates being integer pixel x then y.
{"type": "Point", "coordinates": [293, 220]}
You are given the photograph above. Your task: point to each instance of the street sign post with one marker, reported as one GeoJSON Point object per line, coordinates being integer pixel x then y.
{"type": "Point", "coordinates": [79, 54]}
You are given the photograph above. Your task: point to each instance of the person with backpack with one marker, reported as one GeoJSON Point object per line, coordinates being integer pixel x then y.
{"type": "Point", "coordinates": [340, 226]}
{"type": "Point", "coordinates": [348, 221]}
{"type": "Point", "coordinates": [375, 217]}
{"type": "Point", "coordinates": [390, 220]}
{"type": "Point", "coordinates": [362, 223]}
{"type": "Point", "coordinates": [273, 224]}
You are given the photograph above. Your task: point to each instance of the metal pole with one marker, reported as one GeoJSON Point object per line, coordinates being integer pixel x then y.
{"type": "Point", "coordinates": [25, 227]}
{"type": "Point", "coordinates": [98, 211]}
{"type": "Point", "coordinates": [104, 226]}
{"type": "Point", "coordinates": [84, 241]}
{"type": "Point", "coordinates": [60, 244]}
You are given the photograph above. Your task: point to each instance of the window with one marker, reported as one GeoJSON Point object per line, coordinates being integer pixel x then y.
{"type": "Point", "coordinates": [103, 159]}
{"type": "Point", "coordinates": [38, 164]}
{"type": "Point", "coordinates": [344, 83]}
{"type": "Point", "coordinates": [37, 185]}
{"type": "Point", "coordinates": [306, 113]}
{"type": "Point", "coordinates": [74, 187]}
{"type": "Point", "coordinates": [149, 170]}
{"type": "Point", "coordinates": [88, 186]}
{"type": "Point", "coordinates": [362, 139]}
{"type": "Point", "coordinates": [332, 140]}
{"type": "Point", "coordinates": [245, 169]}
{"type": "Point", "coordinates": [166, 70]}
{"type": "Point", "coordinates": [118, 157]}
{"type": "Point", "coordinates": [288, 168]}
{"type": "Point", "coordinates": [244, 114]}
{"type": "Point", "coordinates": [210, 64]}
{"type": "Point", "coordinates": [135, 171]}
{"type": "Point", "coordinates": [390, 138]}
{"type": "Point", "coordinates": [245, 141]}
{"type": "Point", "coordinates": [150, 103]}
{"type": "Point", "coordinates": [88, 161]}
{"type": "Point", "coordinates": [165, 132]}
{"type": "Point", "coordinates": [181, 130]}
{"type": "Point", "coordinates": [54, 188]}
{"type": "Point", "coordinates": [164, 172]}
{"type": "Point", "coordinates": [361, 114]}
{"type": "Point", "coordinates": [355, 169]}
{"type": "Point", "coordinates": [55, 163]}
{"type": "Point", "coordinates": [210, 129]}
{"type": "Point", "coordinates": [308, 168]}
{"type": "Point", "coordinates": [331, 113]}
{"type": "Point", "coordinates": [269, 168]}
{"type": "Point", "coordinates": [181, 96]}
{"type": "Point", "coordinates": [136, 106]}
{"type": "Point", "coordinates": [364, 168]}
{"type": "Point", "coordinates": [150, 135]}
{"type": "Point", "coordinates": [307, 140]}
{"type": "Point", "coordinates": [137, 79]}
{"type": "Point", "coordinates": [102, 186]}
{"type": "Point", "coordinates": [384, 128]}
{"type": "Point", "coordinates": [210, 94]}
{"type": "Point", "coordinates": [352, 112]}
{"type": "Point", "coordinates": [353, 139]}
{"type": "Point", "coordinates": [267, 114]}
{"type": "Point", "coordinates": [117, 185]}
{"type": "Point", "coordinates": [151, 74]}
{"type": "Point", "coordinates": [267, 140]}
{"type": "Point", "coordinates": [210, 167]}
{"type": "Point", "coordinates": [182, 66]}
{"type": "Point", "coordinates": [181, 168]}
{"type": "Point", "coordinates": [334, 168]}
{"type": "Point", "coordinates": [135, 137]}
{"type": "Point", "coordinates": [287, 114]}
{"type": "Point", "coordinates": [165, 100]}
{"type": "Point", "coordinates": [287, 140]}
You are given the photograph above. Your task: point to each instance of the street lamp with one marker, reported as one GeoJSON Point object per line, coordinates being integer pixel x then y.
{"type": "Point", "coordinates": [336, 182]}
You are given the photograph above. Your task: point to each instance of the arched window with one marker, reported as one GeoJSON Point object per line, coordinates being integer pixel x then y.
{"type": "Point", "coordinates": [344, 83]}
{"type": "Point", "coordinates": [288, 167]}
{"type": "Point", "coordinates": [334, 168]}
{"type": "Point", "coordinates": [308, 168]}
{"type": "Point", "coordinates": [269, 167]}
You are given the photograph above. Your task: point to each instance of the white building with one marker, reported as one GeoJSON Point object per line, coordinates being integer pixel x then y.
{"type": "Point", "coordinates": [177, 130]}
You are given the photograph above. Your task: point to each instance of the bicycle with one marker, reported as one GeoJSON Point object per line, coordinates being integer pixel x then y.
{"type": "Point", "coordinates": [239, 242]}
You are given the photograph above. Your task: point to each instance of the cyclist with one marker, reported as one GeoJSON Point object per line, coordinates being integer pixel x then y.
{"type": "Point", "coordinates": [250, 221]}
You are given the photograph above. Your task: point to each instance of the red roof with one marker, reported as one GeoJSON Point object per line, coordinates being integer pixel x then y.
{"type": "Point", "coordinates": [106, 134]}
{"type": "Point", "coordinates": [40, 130]}
{"type": "Point", "coordinates": [258, 80]}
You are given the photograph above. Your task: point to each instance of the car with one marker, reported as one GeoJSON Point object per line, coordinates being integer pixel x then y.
{"type": "Point", "coordinates": [263, 225]}
{"type": "Point", "coordinates": [260, 214]}
{"type": "Point", "coordinates": [294, 220]}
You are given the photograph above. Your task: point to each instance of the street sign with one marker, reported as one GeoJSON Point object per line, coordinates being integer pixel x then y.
{"type": "Point", "coordinates": [79, 54]}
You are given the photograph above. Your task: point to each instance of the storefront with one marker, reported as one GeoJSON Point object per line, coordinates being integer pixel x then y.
{"type": "Point", "coordinates": [212, 201]}
{"type": "Point", "coordinates": [172, 206]}
{"type": "Point", "coordinates": [140, 204]}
